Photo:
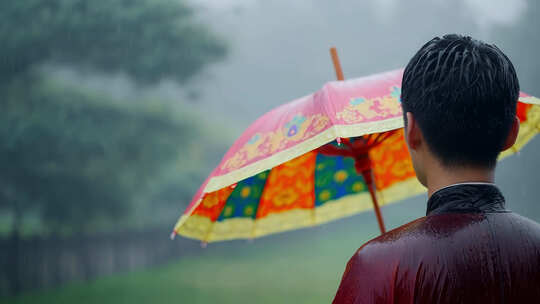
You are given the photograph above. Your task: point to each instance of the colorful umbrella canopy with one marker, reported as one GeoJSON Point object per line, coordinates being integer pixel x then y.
{"type": "Point", "coordinates": [313, 159]}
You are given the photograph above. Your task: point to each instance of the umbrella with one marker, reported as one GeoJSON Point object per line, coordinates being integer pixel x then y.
{"type": "Point", "coordinates": [324, 156]}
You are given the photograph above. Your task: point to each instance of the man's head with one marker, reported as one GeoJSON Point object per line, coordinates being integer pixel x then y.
{"type": "Point", "coordinates": [459, 101]}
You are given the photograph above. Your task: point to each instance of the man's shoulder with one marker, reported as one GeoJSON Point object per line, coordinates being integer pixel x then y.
{"type": "Point", "coordinates": [522, 221]}
{"type": "Point", "coordinates": [431, 233]}
{"type": "Point", "coordinates": [411, 237]}
{"type": "Point", "coordinates": [394, 242]}
{"type": "Point", "coordinates": [377, 260]}
{"type": "Point", "coordinates": [415, 231]}
{"type": "Point", "coordinates": [512, 227]}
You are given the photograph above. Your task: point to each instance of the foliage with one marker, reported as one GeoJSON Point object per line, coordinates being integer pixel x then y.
{"type": "Point", "coordinates": [76, 159]}
{"type": "Point", "coordinates": [147, 39]}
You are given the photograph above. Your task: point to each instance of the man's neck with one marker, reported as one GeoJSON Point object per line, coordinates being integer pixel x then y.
{"type": "Point", "coordinates": [440, 177]}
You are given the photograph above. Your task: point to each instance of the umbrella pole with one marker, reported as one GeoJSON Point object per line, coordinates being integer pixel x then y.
{"type": "Point", "coordinates": [369, 182]}
{"type": "Point", "coordinates": [337, 65]}
{"type": "Point", "coordinates": [367, 174]}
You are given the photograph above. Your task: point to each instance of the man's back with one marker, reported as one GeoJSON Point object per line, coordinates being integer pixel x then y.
{"type": "Point", "coordinates": [469, 249]}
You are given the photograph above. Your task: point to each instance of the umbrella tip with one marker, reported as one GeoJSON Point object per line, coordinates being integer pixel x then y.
{"type": "Point", "coordinates": [338, 141]}
{"type": "Point", "coordinates": [515, 150]}
{"type": "Point", "coordinates": [173, 235]}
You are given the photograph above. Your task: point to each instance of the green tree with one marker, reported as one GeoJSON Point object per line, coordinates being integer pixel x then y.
{"type": "Point", "coordinates": [148, 39]}
{"type": "Point", "coordinates": [75, 158]}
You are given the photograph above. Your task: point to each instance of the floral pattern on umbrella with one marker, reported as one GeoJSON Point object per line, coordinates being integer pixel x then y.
{"type": "Point", "coordinates": [276, 177]}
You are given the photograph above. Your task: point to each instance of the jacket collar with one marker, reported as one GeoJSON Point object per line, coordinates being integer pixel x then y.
{"type": "Point", "coordinates": [466, 198]}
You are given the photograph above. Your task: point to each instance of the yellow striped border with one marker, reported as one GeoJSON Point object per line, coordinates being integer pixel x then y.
{"type": "Point", "coordinates": [530, 99]}
{"type": "Point", "coordinates": [202, 228]}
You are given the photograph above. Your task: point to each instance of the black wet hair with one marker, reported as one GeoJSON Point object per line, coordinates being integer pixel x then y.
{"type": "Point", "coordinates": [463, 94]}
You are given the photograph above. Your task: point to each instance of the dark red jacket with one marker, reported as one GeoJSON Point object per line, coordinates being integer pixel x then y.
{"type": "Point", "coordinates": [468, 249]}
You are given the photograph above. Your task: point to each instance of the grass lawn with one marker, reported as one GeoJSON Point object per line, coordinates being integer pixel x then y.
{"type": "Point", "coordinates": [295, 267]}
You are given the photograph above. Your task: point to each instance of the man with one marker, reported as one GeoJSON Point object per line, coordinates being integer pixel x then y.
{"type": "Point", "coordinates": [459, 101]}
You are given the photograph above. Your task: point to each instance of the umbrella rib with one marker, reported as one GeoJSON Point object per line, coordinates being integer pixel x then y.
{"type": "Point", "coordinates": [347, 143]}
{"type": "Point", "coordinates": [384, 136]}
{"type": "Point", "coordinates": [377, 138]}
{"type": "Point", "coordinates": [372, 139]}
{"type": "Point", "coordinates": [363, 138]}
{"type": "Point", "coordinates": [330, 150]}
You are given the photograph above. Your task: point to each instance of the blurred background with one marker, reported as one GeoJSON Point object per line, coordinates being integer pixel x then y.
{"type": "Point", "coordinates": [114, 112]}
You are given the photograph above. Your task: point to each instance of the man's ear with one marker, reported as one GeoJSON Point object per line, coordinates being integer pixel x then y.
{"type": "Point", "coordinates": [512, 135]}
{"type": "Point", "coordinates": [413, 135]}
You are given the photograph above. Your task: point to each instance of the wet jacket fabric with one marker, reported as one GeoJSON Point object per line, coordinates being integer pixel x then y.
{"type": "Point", "coordinates": [468, 249]}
